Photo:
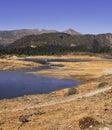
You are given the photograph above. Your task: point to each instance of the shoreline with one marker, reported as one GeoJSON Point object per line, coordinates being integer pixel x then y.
{"type": "Point", "coordinates": [67, 113]}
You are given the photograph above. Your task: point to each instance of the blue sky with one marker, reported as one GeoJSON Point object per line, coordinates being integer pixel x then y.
{"type": "Point", "coordinates": [85, 16]}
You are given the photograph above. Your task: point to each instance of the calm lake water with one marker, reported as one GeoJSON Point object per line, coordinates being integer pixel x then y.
{"type": "Point", "coordinates": [19, 82]}
{"type": "Point", "coordinates": [45, 60]}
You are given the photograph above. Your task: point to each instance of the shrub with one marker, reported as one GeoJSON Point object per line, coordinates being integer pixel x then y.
{"type": "Point", "coordinates": [72, 91]}
{"type": "Point", "coordinates": [102, 84]}
{"type": "Point", "coordinates": [86, 122]}
{"type": "Point", "coordinates": [23, 119]}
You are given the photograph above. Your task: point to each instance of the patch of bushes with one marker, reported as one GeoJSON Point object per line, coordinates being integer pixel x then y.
{"type": "Point", "coordinates": [85, 123]}
{"type": "Point", "coordinates": [72, 91]}
{"type": "Point", "coordinates": [102, 84]}
{"type": "Point", "coordinates": [24, 119]}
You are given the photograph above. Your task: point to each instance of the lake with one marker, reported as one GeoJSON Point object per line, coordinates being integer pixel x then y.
{"type": "Point", "coordinates": [45, 60]}
{"type": "Point", "coordinates": [19, 83]}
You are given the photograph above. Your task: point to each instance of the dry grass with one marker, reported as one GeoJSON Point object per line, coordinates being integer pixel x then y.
{"type": "Point", "coordinates": [62, 116]}
{"type": "Point", "coordinates": [82, 71]}
{"type": "Point", "coordinates": [13, 64]}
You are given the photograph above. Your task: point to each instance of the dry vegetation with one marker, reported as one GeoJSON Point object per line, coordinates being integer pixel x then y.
{"type": "Point", "coordinates": [82, 71]}
{"type": "Point", "coordinates": [13, 63]}
{"type": "Point", "coordinates": [64, 116]}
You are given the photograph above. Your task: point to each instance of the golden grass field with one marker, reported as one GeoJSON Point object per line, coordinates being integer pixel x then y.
{"type": "Point", "coordinates": [14, 63]}
{"type": "Point", "coordinates": [61, 116]}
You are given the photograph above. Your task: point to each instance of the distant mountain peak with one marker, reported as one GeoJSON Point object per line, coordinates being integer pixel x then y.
{"type": "Point", "coordinates": [47, 31]}
{"type": "Point", "coordinates": [72, 32]}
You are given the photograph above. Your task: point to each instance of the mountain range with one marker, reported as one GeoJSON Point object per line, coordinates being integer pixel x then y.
{"type": "Point", "coordinates": [60, 43]}
{"type": "Point", "coordinates": [42, 42]}
{"type": "Point", "coordinates": [8, 37]}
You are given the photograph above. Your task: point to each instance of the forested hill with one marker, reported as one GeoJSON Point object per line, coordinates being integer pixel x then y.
{"type": "Point", "coordinates": [55, 43]}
